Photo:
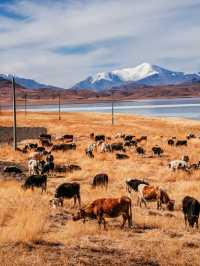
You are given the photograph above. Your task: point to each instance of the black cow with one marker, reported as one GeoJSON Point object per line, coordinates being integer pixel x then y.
{"type": "Point", "coordinates": [191, 209]}
{"type": "Point", "coordinates": [69, 190]}
{"type": "Point", "coordinates": [12, 169]}
{"type": "Point", "coordinates": [133, 184]}
{"type": "Point", "coordinates": [117, 147]}
{"type": "Point", "coordinates": [121, 156]}
{"type": "Point", "coordinates": [170, 142]}
{"type": "Point", "coordinates": [157, 150]}
{"type": "Point", "coordinates": [181, 142]}
{"type": "Point", "coordinates": [35, 181]}
{"type": "Point", "coordinates": [140, 150]}
{"type": "Point", "coordinates": [63, 147]}
{"type": "Point", "coordinates": [130, 143]}
{"type": "Point", "coordinates": [100, 180]}
{"type": "Point", "coordinates": [100, 137]}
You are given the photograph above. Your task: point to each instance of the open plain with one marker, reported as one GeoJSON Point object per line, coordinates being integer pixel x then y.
{"type": "Point", "coordinates": [32, 233]}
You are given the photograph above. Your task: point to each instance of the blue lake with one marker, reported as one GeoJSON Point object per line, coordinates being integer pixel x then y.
{"type": "Point", "coordinates": [181, 107]}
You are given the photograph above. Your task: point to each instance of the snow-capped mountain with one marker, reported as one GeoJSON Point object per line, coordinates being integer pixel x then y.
{"type": "Point", "coordinates": [26, 83]}
{"type": "Point", "coordinates": [145, 74]}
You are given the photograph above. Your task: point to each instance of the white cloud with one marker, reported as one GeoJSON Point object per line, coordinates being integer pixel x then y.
{"type": "Point", "coordinates": [154, 31]}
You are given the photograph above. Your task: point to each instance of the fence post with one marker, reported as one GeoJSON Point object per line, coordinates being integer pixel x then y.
{"type": "Point", "coordinates": [14, 115]}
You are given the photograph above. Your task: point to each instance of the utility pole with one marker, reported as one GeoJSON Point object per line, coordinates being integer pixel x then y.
{"type": "Point", "coordinates": [25, 104]}
{"type": "Point", "coordinates": [14, 115]}
{"type": "Point", "coordinates": [112, 109]}
{"type": "Point", "coordinates": [59, 117]}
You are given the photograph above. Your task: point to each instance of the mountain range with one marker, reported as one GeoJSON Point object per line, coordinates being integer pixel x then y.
{"type": "Point", "coordinates": [144, 74]}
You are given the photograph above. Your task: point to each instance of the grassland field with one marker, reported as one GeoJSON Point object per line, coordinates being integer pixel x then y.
{"type": "Point", "coordinates": [32, 233]}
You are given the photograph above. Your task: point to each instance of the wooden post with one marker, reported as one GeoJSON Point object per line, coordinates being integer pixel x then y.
{"type": "Point", "coordinates": [59, 107]}
{"type": "Point", "coordinates": [14, 115]}
{"type": "Point", "coordinates": [112, 109]}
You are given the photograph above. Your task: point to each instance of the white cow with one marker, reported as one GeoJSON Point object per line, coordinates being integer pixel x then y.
{"type": "Point", "coordinates": [33, 167]}
{"type": "Point", "coordinates": [178, 164]}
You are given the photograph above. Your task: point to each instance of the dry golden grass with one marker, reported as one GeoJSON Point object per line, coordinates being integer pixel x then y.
{"type": "Point", "coordinates": [34, 234]}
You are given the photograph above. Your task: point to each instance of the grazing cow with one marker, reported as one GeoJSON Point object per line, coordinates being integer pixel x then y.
{"type": "Point", "coordinates": [56, 202]}
{"type": "Point", "coordinates": [107, 207]}
{"type": "Point", "coordinates": [105, 147]}
{"type": "Point", "coordinates": [178, 164]}
{"type": "Point", "coordinates": [191, 209]}
{"type": "Point", "coordinates": [140, 150]}
{"type": "Point", "coordinates": [12, 169]}
{"type": "Point", "coordinates": [170, 142]}
{"type": "Point", "coordinates": [121, 156]}
{"type": "Point", "coordinates": [32, 181]}
{"type": "Point", "coordinates": [157, 150]}
{"type": "Point", "coordinates": [69, 190]}
{"type": "Point", "coordinates": [100, 137]}
{"type": "Point", "coordinates": [133, 184]}
{"type": "Point", "coordinates": [63, 147]}
{"type": "Point", "coordinates": [181, 142]}
{"type": "Point", "coordinates": [117, 147]}
{"type": "Point", "coordinates": [151, 193]}
{"type": "Point", "coordinates": [100, 180]}
{"type": "Point", "coordinates": [130, 143]}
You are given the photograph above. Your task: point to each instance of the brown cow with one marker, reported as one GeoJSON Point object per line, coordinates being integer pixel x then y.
{"type": "Point", "coordinates": [151, 193]}
{"type": "Point", "coordinates": [107, 207]}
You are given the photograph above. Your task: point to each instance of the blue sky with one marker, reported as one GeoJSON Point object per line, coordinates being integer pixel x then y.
{"type": "Point", "coordinates": [62, 42]}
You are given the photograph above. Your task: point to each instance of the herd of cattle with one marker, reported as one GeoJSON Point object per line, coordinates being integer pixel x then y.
{"type": "Point", "coordinates": [39, 169]}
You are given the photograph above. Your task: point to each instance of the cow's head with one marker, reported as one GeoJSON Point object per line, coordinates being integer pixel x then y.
{"type": "Point", "coordinates": [170, 205]}
{"type": "Point", "coordinates": [79, 215]}
{"type": "Point", "coordinates": [192, 219]}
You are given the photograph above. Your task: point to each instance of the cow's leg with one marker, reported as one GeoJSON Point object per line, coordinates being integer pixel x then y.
{"type": "Point", "coordinates": [185, 217]}
{"type": "Point", "coordinates": [74, 201]}
{"type": "Point", "coordinates": [124, 220]}
{"type": "Point", "coordinates": [79, 201]}
{"type": "Point", "coordinates": [197, 225]}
